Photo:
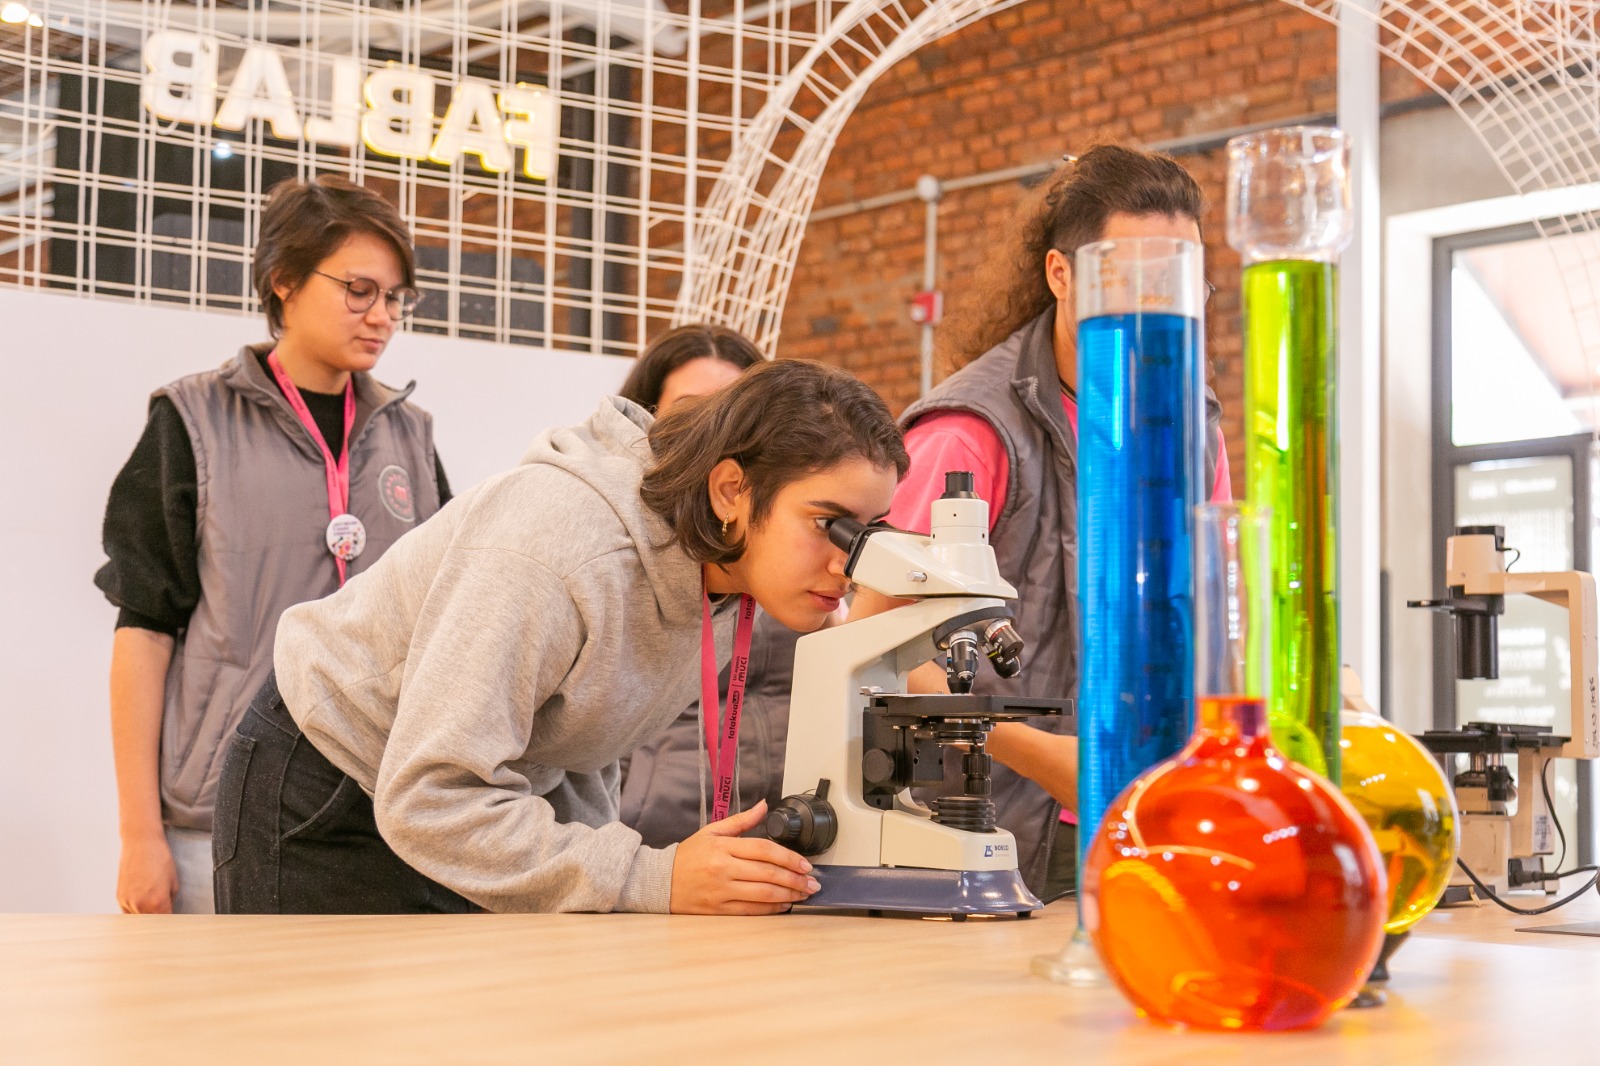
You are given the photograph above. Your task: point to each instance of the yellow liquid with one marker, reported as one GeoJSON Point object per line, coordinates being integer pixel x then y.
{"type": "Point", "coordinates": [1399, 790]}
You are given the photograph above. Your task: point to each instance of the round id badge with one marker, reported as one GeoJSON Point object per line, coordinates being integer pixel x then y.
{"type": "Point", "coordinates": [347, 537]}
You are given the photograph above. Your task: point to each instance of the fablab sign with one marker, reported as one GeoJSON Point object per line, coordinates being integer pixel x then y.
{"type": "Point", "coordinates": [390, 111]}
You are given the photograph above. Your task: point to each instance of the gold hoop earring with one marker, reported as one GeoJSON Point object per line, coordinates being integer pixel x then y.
{"type": "Point", "coordinates": [725, 522]}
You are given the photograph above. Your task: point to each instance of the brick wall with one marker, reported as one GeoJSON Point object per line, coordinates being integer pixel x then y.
{"type": "Point", "coordinates": [1019, 89]}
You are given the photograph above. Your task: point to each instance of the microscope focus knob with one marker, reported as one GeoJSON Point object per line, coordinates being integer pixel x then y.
{"type": "Point", "coordinates": [804, 823]}
{"type": "Point", "coordinates": [877, 766]}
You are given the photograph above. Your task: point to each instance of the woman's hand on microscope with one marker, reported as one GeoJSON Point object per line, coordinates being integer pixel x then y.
{"type": "Point", "coordinates": [720, 871]}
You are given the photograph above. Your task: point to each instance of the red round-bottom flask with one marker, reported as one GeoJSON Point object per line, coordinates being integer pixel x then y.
{"type": "Point", "coordinates": [1229, 888]}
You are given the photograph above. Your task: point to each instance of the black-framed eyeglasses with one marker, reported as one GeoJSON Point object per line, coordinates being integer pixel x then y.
{"type": "Point", "coordinates": [361, 293]}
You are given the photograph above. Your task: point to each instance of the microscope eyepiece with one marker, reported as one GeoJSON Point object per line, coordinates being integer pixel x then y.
{"type": "Point", "coordinates": [1497, 532]}
{"type": "Point", "coordinates": [844, 530]}
{"type": "Point", "coordinates": [958, 485]}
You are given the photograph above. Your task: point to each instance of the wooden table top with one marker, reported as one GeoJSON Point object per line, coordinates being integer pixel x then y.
{"type": "Point", "coordinates": [1468, 987]}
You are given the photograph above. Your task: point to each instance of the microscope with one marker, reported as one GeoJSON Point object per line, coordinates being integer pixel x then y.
{"type": "Point", "coordinates": [858, 743]}
{"type": "Point", "coordinates": [1505, 848]}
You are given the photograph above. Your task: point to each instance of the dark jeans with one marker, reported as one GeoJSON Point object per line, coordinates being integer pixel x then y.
{"type": "Point", "coordinates": [294, 835]}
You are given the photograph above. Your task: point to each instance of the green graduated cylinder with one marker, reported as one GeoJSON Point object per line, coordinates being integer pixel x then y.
{"type": "Point", "coordinates": [1289, 414]}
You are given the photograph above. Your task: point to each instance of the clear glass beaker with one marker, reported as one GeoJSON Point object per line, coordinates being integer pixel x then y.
{"type": "Point", "coordinates": [1289, 216]}
{"type": "Point", "coordinates": [1141, 455]}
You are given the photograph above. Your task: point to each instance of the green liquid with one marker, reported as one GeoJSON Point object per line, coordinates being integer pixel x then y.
{"type": "Point", "coordinates": [1290, 360]}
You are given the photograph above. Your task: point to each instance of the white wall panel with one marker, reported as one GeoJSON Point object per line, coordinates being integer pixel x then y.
{"type": "Point", "coordinates": [76, 374]}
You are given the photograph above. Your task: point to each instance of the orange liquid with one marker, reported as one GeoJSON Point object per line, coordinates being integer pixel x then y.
{"type": "Point", "coordinates": [1229, 888]}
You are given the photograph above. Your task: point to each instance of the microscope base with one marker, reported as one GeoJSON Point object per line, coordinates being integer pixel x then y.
{"type": "Point", "coordinates": [914, 890]}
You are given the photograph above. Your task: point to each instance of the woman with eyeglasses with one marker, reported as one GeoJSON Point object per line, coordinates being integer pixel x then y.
{"type": "Point", "coordinates": [1009, 414]}
{"type": "Point", "coordinates": [256, 486]}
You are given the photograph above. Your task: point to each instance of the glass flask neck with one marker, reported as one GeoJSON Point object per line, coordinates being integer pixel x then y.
{"type": "Point", "coordinates": [1230, 717]}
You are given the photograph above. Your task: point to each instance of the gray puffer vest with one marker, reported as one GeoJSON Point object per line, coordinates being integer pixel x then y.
{"type": "Point", "coordinates": [1016, 388]}
{"type": "Point", "coordinates": [261, 516]}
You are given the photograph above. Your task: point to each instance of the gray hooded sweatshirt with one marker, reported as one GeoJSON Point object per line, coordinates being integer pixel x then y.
{"type": "Point", "coordinates": [481, 681]}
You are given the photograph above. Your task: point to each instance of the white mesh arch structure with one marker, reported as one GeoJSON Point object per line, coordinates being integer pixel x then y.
{"type": "Point", "coordinates": [1523, 73]}
{"type": "Point", "coordinates": [1524, 76]}
{"type": "Point", "coordinates": [743, 250]}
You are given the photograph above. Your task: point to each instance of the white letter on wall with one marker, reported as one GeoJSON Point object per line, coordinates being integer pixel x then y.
{"type": "Point", "coordinates": [472, 126]}
{"type": "Point", "coordinates": [395, 95]}
{"type": "Point", "coordinates": [180, 92]}
{"type": "Point", "coordinates": [344, 128]}
{"type": "Point", "coordinates": [260, 69]}
{"type": "Point", "coordinates": [533, 129]}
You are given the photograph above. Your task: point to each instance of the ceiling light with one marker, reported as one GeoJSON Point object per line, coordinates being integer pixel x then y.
{"type": "Point", "coordinates": [14, 13]}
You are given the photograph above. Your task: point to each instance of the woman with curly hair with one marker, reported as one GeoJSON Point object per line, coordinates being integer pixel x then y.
{"type": "Point", "coordinates": [1009, 414]}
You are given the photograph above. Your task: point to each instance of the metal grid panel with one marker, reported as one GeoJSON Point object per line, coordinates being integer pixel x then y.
{"type": "Point", "coordinates": [691, 139]}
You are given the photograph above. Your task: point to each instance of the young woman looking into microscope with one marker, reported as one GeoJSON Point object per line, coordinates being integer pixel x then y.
{"type": "Point", "coordinates": [442, 734]}
{"type": "Point", "coordinates": [668, 784]}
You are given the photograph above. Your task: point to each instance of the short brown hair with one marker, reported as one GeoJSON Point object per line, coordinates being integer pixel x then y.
{"type": "Point", "coordinates": [683, 345]}
{"type": "Point", "coordinates": [781, 421]}
{"type": "Point", "coordinates": [305, 222]}
{"type": "Point", "coordinates": [1070, 209]}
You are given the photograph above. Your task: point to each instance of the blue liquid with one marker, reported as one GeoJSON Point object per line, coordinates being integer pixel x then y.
{"type": "Point", "coordinates": [1141, 458]}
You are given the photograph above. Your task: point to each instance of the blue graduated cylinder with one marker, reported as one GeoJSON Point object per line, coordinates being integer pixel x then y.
{"type": "Point", "coordinates": [1141, 420]}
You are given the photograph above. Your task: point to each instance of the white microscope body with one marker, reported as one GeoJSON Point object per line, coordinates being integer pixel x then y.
{"type": "Point", "coordinates": [857, 744]}
{"type": "Point", "coordinates": [1502, 847]}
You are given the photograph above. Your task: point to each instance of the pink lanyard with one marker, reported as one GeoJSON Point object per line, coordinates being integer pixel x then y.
{"type": "Point", "coordinates": [723, 756]}
{"type": "Point", "coordinates": [338, 472]}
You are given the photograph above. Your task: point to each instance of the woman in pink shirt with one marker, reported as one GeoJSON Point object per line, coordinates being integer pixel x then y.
{"type": "Point", "coordinates": [1008, 413]}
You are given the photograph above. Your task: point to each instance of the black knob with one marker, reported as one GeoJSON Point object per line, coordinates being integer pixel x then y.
{"type": "Point", "coordinates": [803, 823]}
{"type": "Point", "coordinates": [784, 825]}
{"type": "Point", "coordinates": [877, 765]}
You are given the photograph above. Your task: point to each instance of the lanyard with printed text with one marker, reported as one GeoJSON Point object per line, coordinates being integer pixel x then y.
{"type": "Point", "coordinates": [345, 536]}
{"type": "Point", "coordinates": [724, 754]}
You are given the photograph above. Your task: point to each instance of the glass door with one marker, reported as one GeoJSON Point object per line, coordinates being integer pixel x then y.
{"type": "Point", "coordinates": [1514, 419]}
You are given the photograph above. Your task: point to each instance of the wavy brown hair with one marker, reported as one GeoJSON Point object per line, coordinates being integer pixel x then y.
{"type": "Point", "coordinates": [781, 421]}
{"type": "Point", "coordinates": [1070, 209]}
{"type": "Point", "coordinates": [678, 347]}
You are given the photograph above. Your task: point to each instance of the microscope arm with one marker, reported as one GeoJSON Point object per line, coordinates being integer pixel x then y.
{"type": "Point", "coordinates": [1473, 565]}
{"type": "Point", "coordinates": [1573, 590]}
{"type": "Point", "coordinates": [904, 565]}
